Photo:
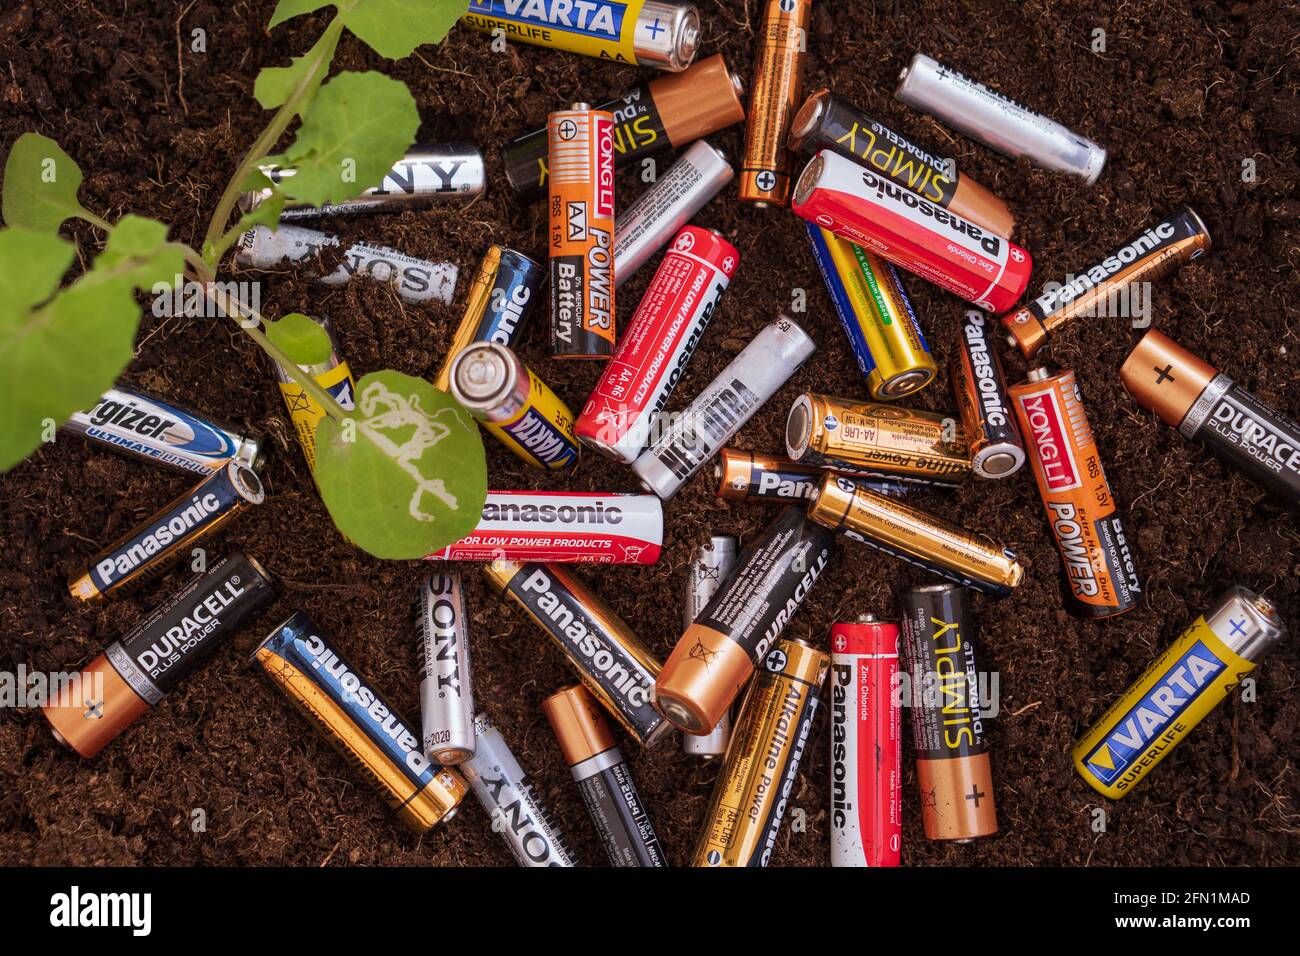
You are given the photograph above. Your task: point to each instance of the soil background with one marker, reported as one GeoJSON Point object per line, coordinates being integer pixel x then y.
{"type": "Point", "coordinates": [1184, 92]}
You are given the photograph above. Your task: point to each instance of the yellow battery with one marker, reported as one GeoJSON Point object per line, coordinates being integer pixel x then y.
{"type": "Point", "coordinates": [1192, 677]}
{"type": "Point", "coordinates": [304, 411]}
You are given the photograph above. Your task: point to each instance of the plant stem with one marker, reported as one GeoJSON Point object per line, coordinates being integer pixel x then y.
{"type": "Point", "coordinates": [318, 61]}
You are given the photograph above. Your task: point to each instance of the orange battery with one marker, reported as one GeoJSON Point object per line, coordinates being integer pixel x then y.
{"type": "Point", "coordinates": [778, 83]}
{"type": "Point", "coordinates": [580, 157]}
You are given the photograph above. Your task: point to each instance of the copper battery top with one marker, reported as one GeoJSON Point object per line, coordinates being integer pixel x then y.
{"type": "Point", "coordinates": [700, 101]}
{"type": "Point", "coordinates": [88, 728]}
{"type": "Point", "coordinates": [1164, 377]}
{"type": "Point", "coordinates": [580, 726]}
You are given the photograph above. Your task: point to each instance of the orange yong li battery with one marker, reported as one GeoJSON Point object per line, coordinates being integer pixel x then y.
{"type": "Point", "coordinates": [778, 81]}
{"type": "Point", "coordinates": [580, 144]}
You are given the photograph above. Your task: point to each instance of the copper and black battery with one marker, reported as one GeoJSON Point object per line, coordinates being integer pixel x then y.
{"type": "Point", "coordinates": [953, 768]}
{"type": "Point", "coordinates": [1158, 251]}
{"type": "Point", "coordinates": [604, 779]}
{"type": "Point", "coordinates": [611, 660]}
{"type": "Point", "coordinates": [876, 440]}
{"type": "Point", "coordinates": [827, 121]}
{"type": "Point", "coordinates": [749, 476]}
{"type": "Point", "coordinates": [711, 564]}
{"type": "Point", "coordinates": [914, 536]}
{"type": "Point", "coordinates": [778, 84]}
{"type": "Point", "coordinates": [980, 388]}
{"type": "Point", "coordinates": [758, 774]}
{"type": "Point", "coordinates": [356, 720]}
{"type": "Point", "coordinates": [720, 649]}
{"type": "Point", "coordinates": [1206, 405]}
{"type": "Point", "coordinates": [668, 112]}
{"type": "Point", "coordinates": [580, 156]}
{"type": "Point", "coordinates": [146, 549]}
{"type": "Point", "coordinates": [143, 666]}
{"type": "Point", "coordinates": [446, 679]}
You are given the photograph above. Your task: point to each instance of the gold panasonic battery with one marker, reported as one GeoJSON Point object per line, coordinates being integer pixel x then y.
{"type": "Point", "coordinates": [877, 440]}
{"type": "Point", "coordinates": [777, 88]}
{"type": "Point", "coordinates": [305, 412]}
{"type": "Point", "coordinates": [758, 773]}
{"type": "Point", "coordinates": [888, 525]}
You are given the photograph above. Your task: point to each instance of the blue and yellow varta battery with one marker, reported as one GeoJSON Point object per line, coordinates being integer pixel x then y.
{"type": "Point", "coordinates": [504, 293]}
{"type": "Point", "coordinates": [876, 314]}
{"type": "Point", "coordinates": [1192, 677]}
{"type": "Point", "coordinates": [661, 33]}
{"type": "Point", "coordinates": [305, 412]}
{"type": "Point", "coordinates": [359, 723]}
{"type": "Point", "coordinates": [516, 406]}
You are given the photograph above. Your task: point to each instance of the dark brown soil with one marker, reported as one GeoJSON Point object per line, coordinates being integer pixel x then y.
{"type": "Point", "coordinates": [1184, 92]}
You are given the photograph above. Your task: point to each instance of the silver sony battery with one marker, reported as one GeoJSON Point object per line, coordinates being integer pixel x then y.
{"type": "Point", "coordinates": [506, 793]}
{"type": "Point", "coordinates": [709, 567]}
{"type": "Point", "coordinates": [415, 280]}
{"type": "Point", "coordinates": [995, 120]}
{"type": "Point", "coordinates": [426, 174]}
{"type": "Point", "coordinates": [446, 685]}
{"type": "Point", "coordinates": [658, 213]}
{"type": "Point", "coordinates": [726, 403]}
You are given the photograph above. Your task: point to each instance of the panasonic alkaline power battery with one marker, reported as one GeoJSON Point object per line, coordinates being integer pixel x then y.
{"type": "Point", "coordinates": [580, 144]}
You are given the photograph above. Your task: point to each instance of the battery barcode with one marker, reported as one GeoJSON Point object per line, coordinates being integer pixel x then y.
{"type": "Point", "coordinates": [570, 150]}
{"type": "Point", "coordinates": [715, 422]}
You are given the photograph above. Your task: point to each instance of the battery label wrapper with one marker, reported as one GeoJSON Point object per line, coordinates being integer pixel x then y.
{"type": "Point", "coordinates": [604, 29]}
{"type": "Point", "coordinates": [945, 703]}
{"type": "Point", "coordinates": [620, 817]}
{"type": "Point", "coordinates": [152, 429]}
{"type": "Point", "coordinates": [1241, 429]}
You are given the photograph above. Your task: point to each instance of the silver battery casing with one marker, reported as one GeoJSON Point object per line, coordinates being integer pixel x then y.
{"type": "Point", "coordinates": [672, 47]}
{"type": "Point", "coordinates": [446, 682]}
{"type": "Point", "coordinates": [415, 280]}
{"type": "Point", "coordinates": [506, 793]}
{"type": "Point", "coordinates": [644, 227]}
{"type": "Point", "coordinates": [725, 405]}
{"type": "Point", "coordinates": [709, 567]}
{"type": "Point", "coordinates": [995, 120]}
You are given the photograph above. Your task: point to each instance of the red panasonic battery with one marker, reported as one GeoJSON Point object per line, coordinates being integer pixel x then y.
{"type": "Point", "coordinates": [563, 527]}
{"type": "Point", "coordinates": [654, 350]}
{"type": "Point", "coordinates": [911, 232]}
{"type": "Point", "coordinates": [866, 745]}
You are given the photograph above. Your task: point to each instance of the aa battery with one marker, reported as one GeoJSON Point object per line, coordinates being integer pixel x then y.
{"type": "Point", "coordinates": [726, 403]}
{"type": "Point", "coordinates": [149, 547]}
{"type": "Point", "coordinates": [758, 775]}
{"type": "Point", "coordinates": [710, 565]}
{"type": "Point", "coordinates": [1151, 255]}
{"type": "Point", "coordinates": [866, 744]}
{"type": "Point", "coordinates": [913, 233]}
{"type": "Point", "coordinates": [356, 720]}
{"type": "Point", "coordinates": [1178, 689]}
{"type": "Point", "coordinates": [915, 536]}
{"type": "Point", "coordinates": [746, 476]}
{"type": "Point", "coordinates": [1095, 557]}
{"type": "Point", "coordinates": [142, 667]}
{"type": "Point", "coordinates": [510, 798]}
{"type": "Point", "coordinates": [619, 417]}
{"type": "Point", "coordinates": [642, 229]}
{"type": "Point", "coordinates": [952, 750]}
{"type": "Point", "coordinates": [980, 388]}
{"type": "Point", "coordinates": [155, 431]}
{"type": "Point", "coordinates": [777, 86]}
{"type": "Point", "coordinates": [996, 120]}
{"type": "Point", "coordinates": [516, 406]}
{"type": "Point", "coordinates": [876, 315]}
{"type": "Point", "coordinates": [305, 412]}
{"type": "Point", "coordinates": [604, 779]}
{"type": "Point", "coordinates": [664, 34]}
{"type": "Point", "coordinates": [1204, 404]}
{"type": "Point", "coordinates": [446, 678]}
{"type": "Point", "coordinates": [504, 294]}
{"type": "Point", "coordinates": [415, 280]}
{"type": "Point", "coordinates": [611, 660]}
{"type": "Point", "coordinates": [826, 121]}
{"type": "Point", "coordinates": [668, 112]}
{"type": "Point", "coordinates": [876, 440]}
{"type": "Point", "coordinates": [580, 144]}
{"type": "Point", "coordinates": [719, 649]}
{"type": "Point", "coordinates": [563, 527]}
{"type": "Point", "coordinates": [424, 175]}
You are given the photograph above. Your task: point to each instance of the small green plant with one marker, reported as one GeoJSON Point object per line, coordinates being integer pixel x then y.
{"type": "Point", "coordinates": [403, 474]}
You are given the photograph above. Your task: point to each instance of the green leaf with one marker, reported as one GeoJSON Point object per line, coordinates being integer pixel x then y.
{"type": "Point", "coordinates": [31, 267]}
{"type": "Point", "coordinates": [139, 255]}
{"type": "Point", "coordinates": [359, 125]}
{"type": "Point", "coordinates": [392, 28]}
{"type": "Point", "coordinates": [275, 84]}
{"type": "Point", "coordinates": [40, 185]}
{"type": "Point", "coordinates": [405, 474]}
{"type": "Point", "coordinates": [301, 338]}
